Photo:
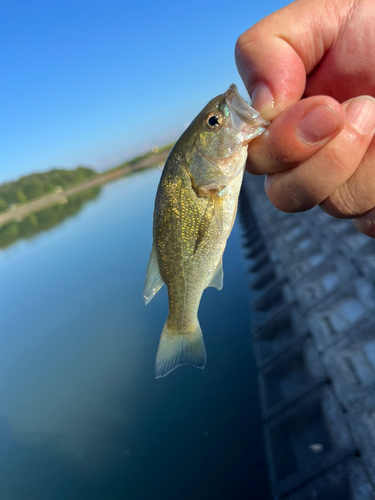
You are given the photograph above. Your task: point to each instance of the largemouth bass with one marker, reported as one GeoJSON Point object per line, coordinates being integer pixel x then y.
{"type": "Point", "coordinates": [195, 208]}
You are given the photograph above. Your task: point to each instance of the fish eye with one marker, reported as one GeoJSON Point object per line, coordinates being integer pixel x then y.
{"type": "Point", "coordinates": [213, 121]}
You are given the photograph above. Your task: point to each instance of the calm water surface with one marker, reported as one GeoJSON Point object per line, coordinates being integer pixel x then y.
{"type": "Point", "coordinates": [81, 415]}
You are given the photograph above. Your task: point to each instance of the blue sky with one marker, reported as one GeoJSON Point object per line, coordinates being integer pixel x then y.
{"type": "Point", "coordinates": [95, 82]}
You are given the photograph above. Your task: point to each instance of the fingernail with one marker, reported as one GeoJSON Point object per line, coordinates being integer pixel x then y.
{"type": "Point", "coordinates": [360, 113]}
{"type": "Point", "coordinates": [262, 98]}
{"type": "Point", "coordinates": [317, 124]}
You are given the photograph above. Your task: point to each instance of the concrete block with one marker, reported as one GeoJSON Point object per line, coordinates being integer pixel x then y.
{"type": "Point", "coordinates": [277, 334]}
{"type": "Point", "coordinates": [322, 281]}
{"type": "Point", "coordinates": [265, 279]}
{"type": "Point", "coordinates": [305, 263]}
{"type": "Point", "coordinates": [332, 320]}
{"type": "Point", "coordinates": [352, 242]}
{"type": "Point", "coordinates": [364, 260]}
{"type": "Point", "coordinates": [326, 224]}
{"type": "Point", "coordinates": [346, 481]}
{"type": "Point", "coordinates": [289, 376]}
{"type": "Point", "coordinates": [306, 440]}
{"type": "Point", "coordinates": [351, 364]}
{"type": "Point", "coordinates": [361, 419]}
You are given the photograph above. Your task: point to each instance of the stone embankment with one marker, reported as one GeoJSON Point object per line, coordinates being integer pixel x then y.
{"type": "Point", "coordinates": [311, 285]}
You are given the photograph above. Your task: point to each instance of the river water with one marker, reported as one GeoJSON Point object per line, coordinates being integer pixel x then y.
{"type": "Point", "coordinates": [81, 414]}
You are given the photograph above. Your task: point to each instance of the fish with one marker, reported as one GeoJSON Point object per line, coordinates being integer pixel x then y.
{"type": "Point", "coordinates": [195, 208]}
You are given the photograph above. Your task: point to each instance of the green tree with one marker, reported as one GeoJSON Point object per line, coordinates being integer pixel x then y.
{"type": "Point", "coordinates": [33, 186]}
{"type": "Point", "coordinates": [3, 205]}
{"type": "Point", "coordinates": [21, 196]}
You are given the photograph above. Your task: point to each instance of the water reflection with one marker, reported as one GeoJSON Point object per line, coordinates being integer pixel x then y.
{"type": "Point", "coordinates": [82, 416]}
{"type": "Point", "coordinates": [34, 223]}
{"type": "Point", "coordinates": [31, 464]}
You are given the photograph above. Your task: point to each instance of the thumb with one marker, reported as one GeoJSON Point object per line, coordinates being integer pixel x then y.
{"type": "Point", "coordinates": [275, 55]}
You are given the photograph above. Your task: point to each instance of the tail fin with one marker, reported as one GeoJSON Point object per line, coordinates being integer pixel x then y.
{"type": "Point", "coordinates": [179, 348]}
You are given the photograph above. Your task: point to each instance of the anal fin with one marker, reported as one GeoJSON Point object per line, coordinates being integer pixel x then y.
{"type": "Point", "coordinates": [217, 278]}
{"type": "Point", "coordinates": [153, 281]}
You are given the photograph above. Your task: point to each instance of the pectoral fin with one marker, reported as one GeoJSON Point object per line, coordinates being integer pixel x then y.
{"type": "Point", "coordinates": [219, 211]}
{"type": "Point", "coordinates": [217, 278]}
{"type": "Point", "coordinates": [153, 281]}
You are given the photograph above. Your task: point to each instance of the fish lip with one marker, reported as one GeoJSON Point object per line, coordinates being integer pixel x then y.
{"type": "Point", "coordinates": [242, 109]}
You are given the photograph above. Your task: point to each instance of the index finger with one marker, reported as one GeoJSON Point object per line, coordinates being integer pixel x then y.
{"type": "Point", "coordinates": [295, 135]}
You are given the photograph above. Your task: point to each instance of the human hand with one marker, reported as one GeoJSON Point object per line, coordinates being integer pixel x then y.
{"type": "Point", "coordinates": [318, 150]}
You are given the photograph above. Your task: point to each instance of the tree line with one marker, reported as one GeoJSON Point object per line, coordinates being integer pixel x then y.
{"type": "Point", "coordinates": [30, 187]}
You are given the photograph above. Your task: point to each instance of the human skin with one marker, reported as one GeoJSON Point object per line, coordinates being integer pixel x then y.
{"type": "Point", "coordinates": [310, 68]}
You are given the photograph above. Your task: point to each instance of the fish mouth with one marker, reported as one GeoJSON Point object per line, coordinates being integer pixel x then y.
{"type": "Point", "coordinates": [242, 110]}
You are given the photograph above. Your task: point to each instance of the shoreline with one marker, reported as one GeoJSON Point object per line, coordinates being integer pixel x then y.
{"type": "Point", "coordinates": [98, 180]}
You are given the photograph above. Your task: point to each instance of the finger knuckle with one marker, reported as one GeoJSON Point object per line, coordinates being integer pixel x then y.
{"type": "Point", "coordinates": [349, 204]}
{"type": "Point", "coordinates": [335, 163]}
{"type": "Point", "coordinates": [346, 202]}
